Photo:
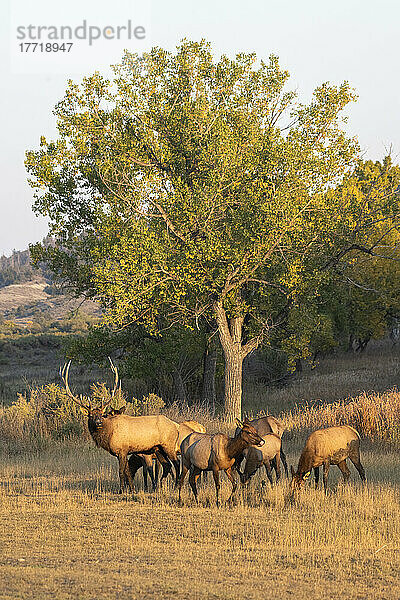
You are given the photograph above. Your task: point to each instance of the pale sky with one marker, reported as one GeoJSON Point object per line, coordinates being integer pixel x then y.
{"type": "Point", "coordinates": [316, 41]}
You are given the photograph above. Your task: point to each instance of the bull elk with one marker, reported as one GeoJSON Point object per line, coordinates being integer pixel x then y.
{"type": "Point", "coordinates": [143, 461]}
{"type": "Point", "coordinates": [121, 435]}
{"type": "Point", "coordinates": [331, 446]}
{"type": "Point", "coordinates": [204, 452]}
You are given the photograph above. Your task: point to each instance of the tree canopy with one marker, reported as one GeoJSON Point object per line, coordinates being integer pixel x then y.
{"type": "Point", "coordinates": [191, 189]}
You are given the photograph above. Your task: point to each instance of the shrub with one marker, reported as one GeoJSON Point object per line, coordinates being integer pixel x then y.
{"type": "Point", "coordinates": [45, 413]}
{"type": "Point", "coordinates": [149, 405]}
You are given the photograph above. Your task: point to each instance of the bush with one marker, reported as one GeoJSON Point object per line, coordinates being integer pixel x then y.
{"type": "Point", "coordinates": [48, 413]}
{"type": "Point", "coordinates": [149, 405]}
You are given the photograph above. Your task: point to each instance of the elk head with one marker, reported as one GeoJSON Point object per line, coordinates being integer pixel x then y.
{"type": "Point", "coordinates": [98, 414]}
{"type": "Point", "coordinates": [249, 434]}
{"type": "Point", "coordinates": [298, 479]}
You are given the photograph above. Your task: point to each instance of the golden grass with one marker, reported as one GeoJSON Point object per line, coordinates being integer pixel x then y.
{"type": "Point", "coordinates": [67, 534]}
{"type": "Point", "coordinates": [376, 416]}
{"type": "Point", "coordinates": [20, 294]}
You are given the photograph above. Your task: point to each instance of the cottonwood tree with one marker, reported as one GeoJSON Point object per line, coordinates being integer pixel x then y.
{"type": "Point", "coordinates": [190, 189]}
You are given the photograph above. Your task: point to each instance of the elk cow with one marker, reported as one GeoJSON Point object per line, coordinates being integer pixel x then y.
{"type": "Point", "coordinates": [145, 461]}
{"type": "Point", "coordinates": [257, 456]}
{"type": "Point", "coordinates": [331, 446]}
{"type": "Point", "coordinates": [121, 435]}
{"type": "Point", "coordinates": [264, 425]}
{"type": "Point", "coordinates": [204, 452]}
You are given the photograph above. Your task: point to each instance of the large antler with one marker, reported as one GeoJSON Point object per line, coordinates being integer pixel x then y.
{"type": "Point", "coordinates": [114, 390]}
{"type": "Point", "coordinates": [115, 371]}
{"type": "Point", "coordinates": [64, 372]}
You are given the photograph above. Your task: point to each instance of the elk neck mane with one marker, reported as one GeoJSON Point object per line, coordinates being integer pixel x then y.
{"type": "Point", "coordinates": [235, 445]}
{"type": "Point", "coordinates": [306, 461]}
{"type": "Point", "coordinates": [101, 435]}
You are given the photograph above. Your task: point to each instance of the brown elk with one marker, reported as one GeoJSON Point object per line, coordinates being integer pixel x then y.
{"type": "Point", "coordinates": [264, 425]}
{"type": "Point", "coordinates": [145, 461]}
{"type": "Point", "coordinates": [258, 456]}
{"type": "Point", "coordinates": [121, 435]}
{"type": "Point", "coordinates": [331, 446]}
{"type": "Point", "coordinates": [204, 452]}
{"type": "Point", "coordinates": [142, 461]}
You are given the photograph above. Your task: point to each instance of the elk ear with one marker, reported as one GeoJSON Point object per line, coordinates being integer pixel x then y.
{"type": "Point", "coordinates": [292, 471]}
{"type": "Point", "coordinates": [306, 475]}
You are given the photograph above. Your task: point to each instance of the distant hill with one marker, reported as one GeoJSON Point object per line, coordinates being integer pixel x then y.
{"type": "Point", "coordinates": [30, 303]}
{"type": "Point", "coordinates": [17, 268]}
{"type": "Point", "coordinates": [20, 294]}
{"type": "Point", "coordinates": [24, 302]}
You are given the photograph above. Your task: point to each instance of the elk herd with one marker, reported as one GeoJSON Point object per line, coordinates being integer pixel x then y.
{"type": "Point", "coordinates": [185, 447]}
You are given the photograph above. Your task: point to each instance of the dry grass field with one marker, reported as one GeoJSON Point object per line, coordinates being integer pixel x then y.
{"type": "Point", "coordinates": [67, 534]}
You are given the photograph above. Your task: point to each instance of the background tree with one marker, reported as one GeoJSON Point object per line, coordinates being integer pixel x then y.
{"type": "Point", "coordinates": [363, 298]}
{"type": "Point", "coordinates": [173, 365]}
{"type": "Point", "coordinates": [190, 189]}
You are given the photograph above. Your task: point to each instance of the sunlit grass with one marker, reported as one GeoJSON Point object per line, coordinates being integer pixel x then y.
{"type": "Point", "coordinates": [66, 533]}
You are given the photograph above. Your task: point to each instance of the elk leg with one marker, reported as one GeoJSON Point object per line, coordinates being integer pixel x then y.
{"type": "Point", "coordinates": [156, 472]}
{"type": "Point", "coordinates": [123, 470]}
{"type": "Point", "coordinates": [357, 463]}
{"type": "Point", "coordinates": [278, 466]}
{"type": "Point", "coordinates": [238, 462]}
{"type": "Point", "coordinates": [194, 473]}
{"type": "Point", "coordinates": [126, 480]}
{"type": "Point", "coordinates": [217, 484]}
{"type": "Point", "coordinates": [345, 470]}
{"type": "Point", "coordinates": [147, 470]}
{"type": "Point", "coordinates": [134, 464]}
{"type": "Point", "coordinates": [176, 463]}
{"type": "Point", "coordinates": [233, 481]}
{"type": "Point", "coordinates": [151, 475]}
{"type": "Point", "coordinates": [325, 474]}
{"type": "Point", "coordinates": [268, 470]}
{"type": "Point", "coordinates": [177, 468]}
{"type": "Point", "coordinates": [181, 480]}
{"type": "Point", "coordinates": [165, 462]}
{"type": "Point", "coordinates": [316, 475]}
{"type": "Point", "coordinates": [283, 458]}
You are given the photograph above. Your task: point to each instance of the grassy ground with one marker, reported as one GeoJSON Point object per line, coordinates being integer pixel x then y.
{"type": "Point", "coordinates": [333, 378]}
{"type": "Point", "coordinates": [65, 533]}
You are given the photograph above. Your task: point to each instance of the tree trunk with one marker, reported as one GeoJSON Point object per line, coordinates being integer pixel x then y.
{"type": "Point", "coordinates": [230, 334]}
{"type": "Point", "coordinates": [179, 385]}
{"type": "Point", "coordinates": [208, 393]}
{"type": "Point", "coordinates": [350, 342]}
{"type": "Point", "coordinates": [233, 386]}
